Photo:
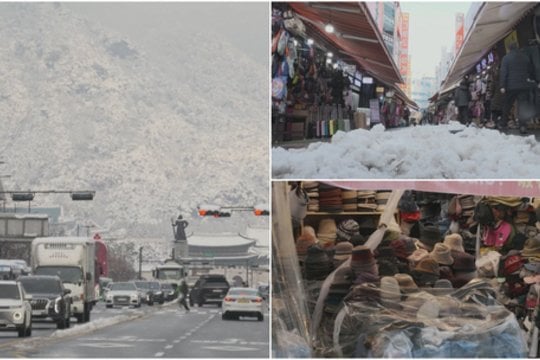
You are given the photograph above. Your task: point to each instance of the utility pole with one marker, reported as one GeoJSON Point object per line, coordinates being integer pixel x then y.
{"type": "Point", "coordinates": [140, 263]}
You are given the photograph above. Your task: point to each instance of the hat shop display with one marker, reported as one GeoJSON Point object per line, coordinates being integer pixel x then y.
{"type": "Point", "coordinates": [433, 281]}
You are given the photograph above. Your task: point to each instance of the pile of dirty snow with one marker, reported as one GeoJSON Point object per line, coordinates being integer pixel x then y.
{"type": "Point", "coordinates": [450, 151]}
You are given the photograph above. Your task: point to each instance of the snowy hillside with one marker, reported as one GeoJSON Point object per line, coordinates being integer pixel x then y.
{"type": "Point", "coordinates": [85, 108]}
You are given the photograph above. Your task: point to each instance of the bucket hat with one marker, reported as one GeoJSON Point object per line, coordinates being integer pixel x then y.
{"type": "Point", "coordinates": [342, 252]}
{"type": "Point", "coordinates": [403, 247]}
{"type": "Point", "coordinates": [327, 226]}
{"type": "Point", "coordinates": [429, 266]}
{"type": "Point", "coordinates": [305, 240]}
{"type": "Point", "coordinates": [390, 290]}
{"type": "Point", "coordinates": [454, 242]}
{"type": "Point", "coordinates": [429, 236]}
{"type": "Point", "coordinates": [463, 262]}
{"type": "Point", "coordinates": [441, 254]}
{"type": "Point", "coordinates": [417, 255]}
{"type": "Point", "coordinates": [406, 283]}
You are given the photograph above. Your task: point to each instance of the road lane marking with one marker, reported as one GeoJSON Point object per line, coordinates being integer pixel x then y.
{"type": "Point", "coordinates": [159, 354]}
{"type": "Point", "coordinates": [230, 348]}
{"type": "Point", "coordinates": [168, 347]}
{"type": "Point", "coordinates": [176, 341]}
{"type": "Point", "coordinates": [106, 345]}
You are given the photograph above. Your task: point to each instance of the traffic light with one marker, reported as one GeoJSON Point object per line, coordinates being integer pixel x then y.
{"type": "Point", "coordinates": [22, 196]}
{"type": "Point", "coordinates": [213, 210]}
{"type": "Point", "coordinates": [261, 210]}
{"type": "Point", "coordinates": [82, 195]}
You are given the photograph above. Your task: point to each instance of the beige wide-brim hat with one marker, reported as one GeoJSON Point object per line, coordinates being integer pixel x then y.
{"type": "Point", "coordinates": [454, 242]}
{"type": "Point", "coordinates": [327, 226]}
{"type": "Point", "coordinates": [441, 254]}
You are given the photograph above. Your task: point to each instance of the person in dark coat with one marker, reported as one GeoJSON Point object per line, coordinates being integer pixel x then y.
{"type": "Point", "coordinates": [462, 97]}
{"type": "Point", "coordinates": [516, 69]}
{"type": "Point", "coordinates": [184, 291]}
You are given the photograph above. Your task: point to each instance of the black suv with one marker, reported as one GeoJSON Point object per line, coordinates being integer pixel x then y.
{"type": "Point", "coordinates": [49, 298]}
{"type": "Point", "coordinates": [150, 292]}
{"type": "Point", "coordinates": [209, 289]}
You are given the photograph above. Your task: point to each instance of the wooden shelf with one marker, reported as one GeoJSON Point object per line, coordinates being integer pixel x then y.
{"type": "Point", "coordinates": [343, 213]}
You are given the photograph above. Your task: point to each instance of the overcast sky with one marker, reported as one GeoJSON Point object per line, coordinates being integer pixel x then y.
{"type": "Point", "coordinates": [431, 26]}
{"type": "Point", "coordinates": [245, 24]}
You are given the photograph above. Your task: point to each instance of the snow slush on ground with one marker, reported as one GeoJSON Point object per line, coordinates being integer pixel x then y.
{"type": "Point", "coordinates": [451, 151]}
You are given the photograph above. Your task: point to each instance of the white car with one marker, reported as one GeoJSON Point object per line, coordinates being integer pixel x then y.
{"type": "Point", "coordinates": [242, 301]}
{"type": "Point", "coordinates": [15, 308]}
{"type": "Point", "coordinates": [122, 294]}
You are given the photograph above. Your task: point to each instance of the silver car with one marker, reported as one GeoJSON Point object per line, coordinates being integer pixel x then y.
{"type": "Point", "coordinates": [15, 308]}
{"type": "Point", "coordinates": [123, 294]}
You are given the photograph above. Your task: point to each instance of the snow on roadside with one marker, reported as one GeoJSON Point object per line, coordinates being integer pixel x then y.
{"type": "Point", "coordinates": [450, 151]}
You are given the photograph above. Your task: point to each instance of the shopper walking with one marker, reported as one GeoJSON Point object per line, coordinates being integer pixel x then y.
{"type": "Point", "coordinates": [516, 70]}
{"type": "Point", "coordinates": [182, 299]}
{"type": "Point", "coordinates": [462, 97]}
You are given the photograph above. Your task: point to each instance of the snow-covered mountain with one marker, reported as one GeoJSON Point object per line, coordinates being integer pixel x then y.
{"type": "Point", "coordinates": [152, 132]}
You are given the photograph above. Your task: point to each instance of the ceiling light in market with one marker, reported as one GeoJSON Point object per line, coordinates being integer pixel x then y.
{"type": "Point", "coordinates": [335, 65]}
{"type": "Point", "coordinates": [328, 61]}
{"type": "Point", "coordinates": [330, 54]}
{"type": "Point", "coordinates": [310, 42]}
{"type": "Point", "coordinates": [329, 28]}
{"type": "Point", "coordinates": [295, 42]}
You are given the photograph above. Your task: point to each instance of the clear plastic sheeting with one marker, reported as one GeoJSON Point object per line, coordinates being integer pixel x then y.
{"type": "Point", "coordinates": [290, 315]}
{"type": "Point", "coordinates": [467, 323]}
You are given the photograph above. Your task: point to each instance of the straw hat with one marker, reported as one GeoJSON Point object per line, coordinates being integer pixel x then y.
{"type": "Point", "coordinates": [428, 265]}
{"type": "Point", "coordinates": [417, 255]}
{"type": "Point", "coordinates": [327, 226]}
{"type": "Point", "coordinates": [441, 254]}
{"type": "Point", "coordinates": [454, 242]}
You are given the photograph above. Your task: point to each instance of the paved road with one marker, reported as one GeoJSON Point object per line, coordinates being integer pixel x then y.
{"type": "Point", "coordinates": [163, 332]}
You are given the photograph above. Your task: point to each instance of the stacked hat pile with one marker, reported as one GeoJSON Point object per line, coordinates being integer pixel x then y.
{"type": "Point", "coordinates": [390, 292]}
{"type": "Point", "coordinates": [363, 265]}
{"type": "Point", "coordinates": [382, 198]}
{"type": "Point", "coordinates": [386, 260]}
{"type": "Point", "coordinates": [346, 229]}
{"type": "Point", "coordinates": [467, 205]}
{"type": "Point", "coordinates": [441, 254]}
{"type": "Point", "coordinates": [531, 249]}
{"type": "Point", "coordinates": [406, 283]}
{"type": "Point", "coordinates": [312, 189]}
{"type": "Point", "coordinates": [327, 233]}
{"type": "Point", "coordinates": [342, 252]}
{"type": "Point", "coordinates": [330, 199]}
{"type": "Point", "coordinates": [366, 200]}
{"type": "Point", "coordinates": [317, 264]}
{"type": "Point", "coordinates": [349, 200]}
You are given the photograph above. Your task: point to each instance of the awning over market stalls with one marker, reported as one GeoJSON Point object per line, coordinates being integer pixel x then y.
{"type": "Point", "coordinates": [355, 35]}
{"type": "Point", "coordinates": [493, 188]}
{"type": "Point", "coordinates": [493, 21]}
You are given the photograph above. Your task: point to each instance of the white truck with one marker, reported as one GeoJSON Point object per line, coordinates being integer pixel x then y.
{"type": "Point", "coordinates": [171, 273]}
{"type": "Point", "coordinates": [73, 260]}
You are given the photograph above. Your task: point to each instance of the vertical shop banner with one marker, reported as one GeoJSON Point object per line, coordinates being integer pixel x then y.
{"type": "Point", "coordinates": [374, 111]}
{"type": "Point", "coordinates": [510, 39]}
{"type": "Point", "coordinates": [460, 30]}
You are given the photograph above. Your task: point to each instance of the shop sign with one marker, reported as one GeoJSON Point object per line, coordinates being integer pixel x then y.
{"type": "Point", "coordinates": [379, 89]}
{"type": "Point", "coordinates": [375, 117]}
{"type": "Point", "coordinates": [348, 69]}
{"type": "Point", "coordinates": [510, 39]}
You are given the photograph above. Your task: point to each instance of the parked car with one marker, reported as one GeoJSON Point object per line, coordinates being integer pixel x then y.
{"type": "Point", "coordinates": [156, 294]}
{"type": "Point", "coordinates": [168, 291]}
{"type": "Point", "coordinates": [49, 298]}
{"type": "Point", "coordinates": [15, 308]}
{"type": "Point", "coordinates": [242, 301]}
{"type": "Point", "coordinates": [123, 294]}
{"type": "Point", "coordinates": [209, 288]}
